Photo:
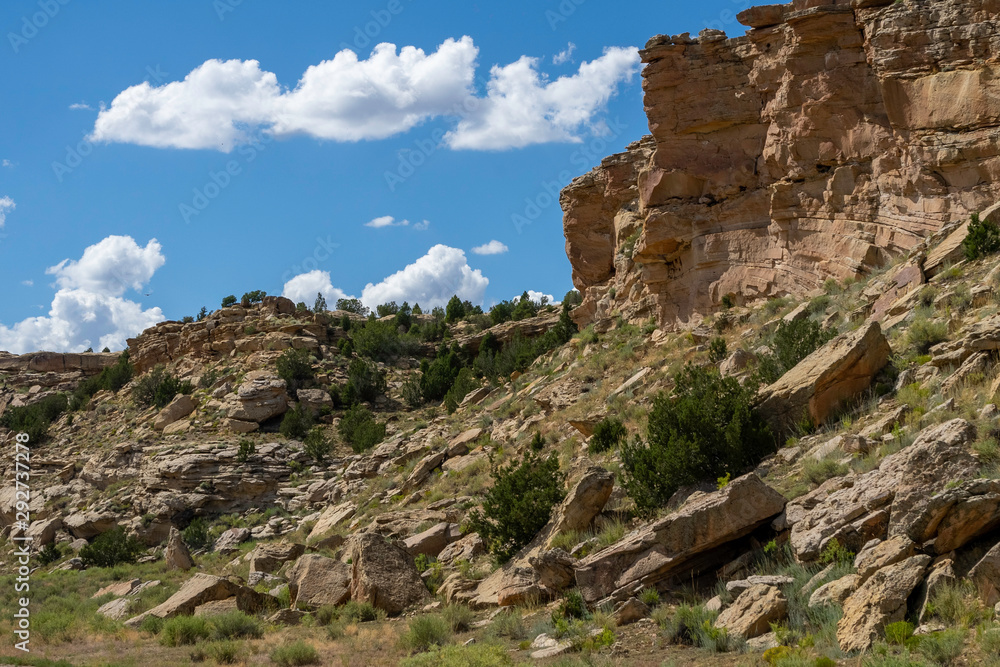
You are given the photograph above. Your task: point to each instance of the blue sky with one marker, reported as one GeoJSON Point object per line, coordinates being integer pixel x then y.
{"type": "Point", "coordinates": [155, 157]}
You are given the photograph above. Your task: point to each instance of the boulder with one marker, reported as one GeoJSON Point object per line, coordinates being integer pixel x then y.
{"type": "Point", "coordinates": [332, 516]}
{"type": "Point", "coordinates": [177, 556]}
{"type": "Point", "coordinates": [836, 591]}
{"type": "Point", "coordinates": [856, 509]}
{"type": "Point", "coordinates": [751, 614]}
{"type": "Point", "coordinates": [460, 444]}
{"type": "Point", "coordinates": [881, 554]}
{"type": "Point", "coordinates": [554, 568]}
{"type": "Point", "coordinates": [314, 400]}
{"type": "Point", "coordinates": [630, 611]}
{"type": "Point", "coordinates": [879, 601]}
{"type": "Point", "coordinates": [116, 609]}
{"type": "Point", "coordinates": [268, 557]}
{"type": "Point", "coordinates": [986, 576]}
{"type": "Point", "coordinates": [315, 581]}
{"type": "Point", "coordinates": [676, 545]}
{"type": "Point", "coordinates": [198, 590]}
{"type": "Point", "coordinates": [261, 397]}
{"type": "Point", "coordinates": [383, 574]}
{"type": "Point", "coordinates": [230, 540]}
{"type": "Point", "coordinates": [43, 532]}
{"type": "Point", "coordinates": [951, 517]}
{"type": "Point", "coordinates": [827, 378]}
{"type": "Point", "coordinates": [88, 525]}
{"type": "Point", "coordinates": [423, 470]}
{"type": "Point", "coordinates": [584, 502]}
{"type": "Point", "coordinates": [467, 548]}
{"type": "Point", "coordinates": [181, 406]}
{"type": "Point", "coordinates": [432, 541]}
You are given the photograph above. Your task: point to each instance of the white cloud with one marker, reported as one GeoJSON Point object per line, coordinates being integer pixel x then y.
{"type": "Point", "coordinates": [110, 267]}
{"type": "Point", "coordinates": [492, 248]}
{"type": "Point", "coordinates": [430, 281]}
{"type": "Point", "coordinates": [6, 205]}
{"type": "Point", "coordinates": [81, 106]}
{"type": "Point", "coordinates": [565, 55]}
{"type": "Point", "coordinates": [89, 310]}
{"type": "Point", "coordinates": [386, 221]}
{"type": "Point", "coordinates": [305, 286]}
{"type": "Point", "coordinates": [27, 283]}
{"type": "Point", "coordinates": [7, 163]}
{"type": "Point", "coordinates": [220, 104]}
{"type": "Point", "coordinates": [422, 225]}
{"type": "Point", "coordinates": [523, 108]}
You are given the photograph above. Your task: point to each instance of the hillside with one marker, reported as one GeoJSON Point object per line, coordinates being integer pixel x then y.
{"type": "Point", "coordinates": [763, 432]}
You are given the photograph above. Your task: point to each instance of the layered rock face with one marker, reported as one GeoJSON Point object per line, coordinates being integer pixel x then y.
{"type": "Point", "coordinates": [831, 137]}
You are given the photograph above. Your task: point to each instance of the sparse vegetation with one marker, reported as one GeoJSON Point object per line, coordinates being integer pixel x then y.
{"type": "Point", "coordinates": [111, 548]}
{"type": "Point", "coordinates": [158, 387]}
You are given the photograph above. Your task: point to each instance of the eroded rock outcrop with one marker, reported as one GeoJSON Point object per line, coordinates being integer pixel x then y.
{"type": "Point", "coordinates": [829, 138]}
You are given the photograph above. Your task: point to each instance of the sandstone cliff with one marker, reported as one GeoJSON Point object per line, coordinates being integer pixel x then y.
{"type": "Point", "coordinates": [831, 137]}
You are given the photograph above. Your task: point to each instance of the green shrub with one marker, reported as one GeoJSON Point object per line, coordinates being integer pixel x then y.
{"type": "Point", "coordinates": [983, 238]}
{"type": "Point", "coordinates": [111, 548]}
{"type": "Point", "coordinates": [439, 376]}
{"type": "Point", "coordinates": [225, 652]}
{"type": "Point", "coordinates": [359, 429]}
{"type": "Point", "coordinates": [196, 534]}
{"type": "Point", "coordinates": [247, 449]}
{"type": "Point", "coordinates": [426, 630]}
{"type": "Point", "coordinates": [792, 342]}
{"type": "Point", "coordinates": [49, 554]}
{"type": "Point", "coordinates": [378, 340]}
{"type": "Point", "coordinates": [296, 422]}
{"type": "Point", "coordinates": [111, 378]}
{"type": "Point", "coordinates": [158, 387]}
{"type": "Point", "coordinates": [228, 301]}
{"type": "Point", "coordinates": [925, 333]}
{"type": "Point", "coordinates": [360, 612]}
{"type": "Point", "coordinates": [518, 504]}
{"type": "Point", "coordinates": [465, 382]}
{"type": "Point", "coordinates": [508, 623]}
{"type": "Point", "coordinates": [537, 443]}
{"type": "Point", "coordinates": [35, 419]}
{"type": "Point", "coordinates": [365, 382]}
{"type": "Point", "coordinates": [473, 655]}
{"type": "Point", "coordinates": [317, 445]}
{"type": "Point", "coordinates": [183, 630]}
{"type": "Point", "coordinates": [295, 653]}
{"type": "Point", "coordinates": [942, 647]}
{"type": "Point", "coordinates": [717, 350]}
{"type": "Point", "coordinates": [410, 392]}
{"type": "Point", "coordinates": [458, 616]}
{"type": "Point", "coordinates": [818, 471]}
{"type": "Point", "coordinates": [295, 368]}
{"type": "Point", "coordinates": [352, 306]}
{"type": "Point", "coordinates": [706, 429]}
{"type": "Point", "coordinates": [608, 434]}
{"type": "Point", "coordinates": [650, 597]}
{"type": "Point", "coordinates": [835, 552]}
{"type": "Point", "coordinates": [899, 633]}
{"type": "Point", "coordinates": [236, 625]}
{"type": "Point", "coordinates": [572, 606]}
{"type": "Point", "coordinates": [455, 309]}
{"type": "Point", "coordinates": [152, 625]}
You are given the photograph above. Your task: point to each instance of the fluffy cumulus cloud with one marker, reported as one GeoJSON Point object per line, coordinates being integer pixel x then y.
{"type": "Point", "coordinates": [430, 281]}
{"type": "Point", "coordinates": [89, 308]}
{"type": "Point", "coordinates": [537, 297]}
{"type": "Point", "coordinates": [523, 107]}
{"type": "Point", "coordinates": [6, 205]}
{"type": "Point", "coordinates": [305, 286]}
{"type": "Point", "coordinates": [492, 248]}
{"type": "Point", "coordinates": [223, 103]}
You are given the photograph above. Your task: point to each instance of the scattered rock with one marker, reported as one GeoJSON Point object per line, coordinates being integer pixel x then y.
{"type": "Point", "coordinates": [383, 574]}
{"type": "Point", "coordinates": [181, 406]}
{"type": "Point", "coordinates": [177, 556]}
{"type": "Point", "coordinates": [315, 581]}
{"type": "Point", "coordinates": [751, 614]}
{"type": "Point", "coordinates": [879, 601]}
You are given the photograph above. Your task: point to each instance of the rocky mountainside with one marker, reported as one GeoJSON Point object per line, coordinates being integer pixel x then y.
{"type": "Point", "coordinates": [832, 137]}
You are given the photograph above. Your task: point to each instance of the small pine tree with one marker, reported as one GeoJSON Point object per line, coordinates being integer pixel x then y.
{"type": "Point", "coordinates": [320, 305]}
{"type": "Point", "coordinates": [229, 301]}
{"type": "Point", "coordinates": [203, 313]}
{"type": "Point", "coordinates": [417, 310]}
{"type": "Point", "coordinates": [518, 504]}
{"type": "Point", "coordinates": [983, 238]}
{"type": "Point", "coordinates": [455, 309]}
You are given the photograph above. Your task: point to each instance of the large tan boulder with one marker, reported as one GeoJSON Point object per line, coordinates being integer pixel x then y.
{"type": "Point", "coordinates": [270, 556]}
{"type": "Point", "coordinates": [878, 602]}
{"type": "Point", "coordinates": [751, 614]}
{"type": "Point", "coordinates": [261, 397]}
{"type": "Point", "coordinates": [180, 407]}
{"type": "Point", "coordinates": [856, 509]}
{"type": "Point", "coordinates": [432, 541]}
{"type": "Point", "coordinates": [584, 502]}
{"type": "Point", "coordinates": [177, 556]}
{"type": "Point", "coordinates": [198, 590]}
{"type": "Point", "coordinates": [986, 576]}
{"type": "Point", "coordinates": [383, 574]}
{"type": "Point", "coordinates": [952, 517]}
{"type": "Point", "coordinates": [89, 524]}
{"type": "Point", "coordinates": [827, 378]}
{"type": "Point", "coordinates": [871, 560]}
{"type": "Point", "coordinates": [835, 592]}
{"type": "Point", "coordinates": [680, 544]}
{"type": "Point", "coordinates": [315, 581]}
{"type": "Point", "coordinates": [332, 517]}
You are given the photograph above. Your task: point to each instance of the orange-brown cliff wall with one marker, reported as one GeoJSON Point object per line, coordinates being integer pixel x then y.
{"type": "Point", "coordinates": [832, 136]}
